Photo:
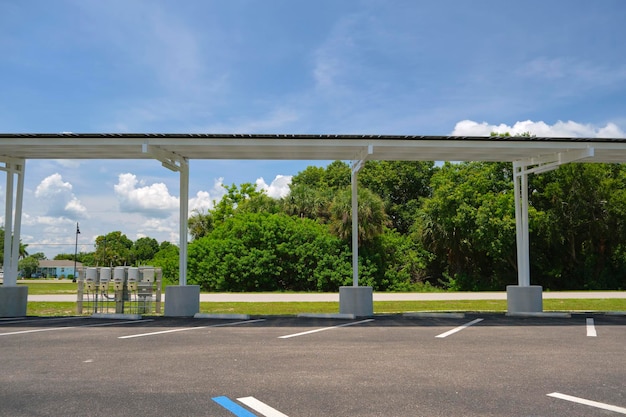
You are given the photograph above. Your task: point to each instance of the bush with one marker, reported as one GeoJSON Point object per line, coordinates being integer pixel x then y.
{"type": "Point", "coordinates": [269, 252]}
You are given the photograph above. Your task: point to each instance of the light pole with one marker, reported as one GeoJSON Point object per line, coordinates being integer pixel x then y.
{"type": "Point", "coordinates": [76, 251]}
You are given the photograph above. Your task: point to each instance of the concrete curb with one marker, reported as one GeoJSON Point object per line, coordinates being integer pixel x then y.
{"type": "Point", "coordinates": [117, 316]}
{"type": "Point", "coordinates": [540, 314]}
{"type": "Point", "coordinates": [328, 315]}
{"type": "Point", "coordinates": [434, 315]}
{"type": "Point", "coordinates": [221, 316]}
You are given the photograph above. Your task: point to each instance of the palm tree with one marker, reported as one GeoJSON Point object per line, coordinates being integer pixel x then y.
{"type": "Point", "coordinates": [200, 224]}
{"type": "Point", "coordinates": [306, 201]}
{"type": "Point", "coordinates": [22, 249]}
{"type": "Point", "coordinates": [371, 215]}
{"type": "Point", "coordinates": [23, 253]}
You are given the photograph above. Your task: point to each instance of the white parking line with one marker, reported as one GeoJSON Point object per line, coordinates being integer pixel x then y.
{"type": "Point", "coordinates": [162, 332]}
{"type": "Point", "coordinates": [458, 329]}
{"type": "Point", "coordinates": [261, 407]}
{"type": "Point", "coordinates": [591, 328]}
{"type": "Point", "coordinates": [188, 328]}
{"type": "Point", "coordinates": [590, 403]}
{"type": "Point", "coordinates": [237, 323]}
{"type": "Point", "coordinates": [51, 329]}
{"type": "Point", "coordinates": [324, 328]}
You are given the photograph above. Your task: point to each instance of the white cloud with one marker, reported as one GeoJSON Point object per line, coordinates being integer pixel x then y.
{"type": "Point", "coordinates": [52, 233]}
{"type": "Point", "coordinates": [58, 198]}
{"type": "Point", "coordinates": [611, 130]}
{"type": "Point", "coordinates": [278, 188]}
{"type": "Point", "coordinates": [155, 201]}
{"type": "Point", "coordinates": [53, 221]}
{"type": "Point", "coordinates": [151, 200]}
{"type": "Point", "coordinates": [201, 202]}
{"type": "Point", "coordinates": [205, 200]}
{"type": "Point", "coordinates": [540, 129]}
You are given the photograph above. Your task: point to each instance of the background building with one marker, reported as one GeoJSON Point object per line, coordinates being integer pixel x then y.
{"type": "Point", "coordinates": [57, 269]}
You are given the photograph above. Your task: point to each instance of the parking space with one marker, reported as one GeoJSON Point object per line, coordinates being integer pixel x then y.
{"type": "Point", "coordinates": [485, 365]}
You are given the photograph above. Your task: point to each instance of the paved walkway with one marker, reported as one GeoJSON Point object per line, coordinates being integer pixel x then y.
{"type": "Point", "coordinates": [381, 296]}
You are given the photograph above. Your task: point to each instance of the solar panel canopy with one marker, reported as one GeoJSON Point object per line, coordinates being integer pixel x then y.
{"type": "Point", "coordinates": [302, 147]}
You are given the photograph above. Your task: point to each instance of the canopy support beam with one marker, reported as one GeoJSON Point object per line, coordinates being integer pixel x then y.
{"type": "Point", "coordinates": [526, 298]}
{"type": "Point", "coordinates": [13, 299]}
{"type": "Point", "coordinates": [182, 300]}
{"type": "Point", "coordinates": [356, 300]}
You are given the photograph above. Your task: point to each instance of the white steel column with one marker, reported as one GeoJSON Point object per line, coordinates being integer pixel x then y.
{"type": "Point", "coordinates": [13, 297]}
{"type": "Point", "coordinates": [355, 229]}
{"type": "Point", "coordinates": [177, 163]}
{"type": "Point", "coordinates": [184, 209]}
{"type": "Point", "coordinates": [12, 219]}
{"type": "Point", "coordinates": [525, 298]}
{"type": "Point", "coordinates": [520, 180]}
{"type": "Point", "coordinates": [9, 280]}
{"type": "Point", "coordinates": [355, 300]}
{"type": "Point", "coordinates": [180, 300]}
{"type": "Point", "coordinates": [356, 167]}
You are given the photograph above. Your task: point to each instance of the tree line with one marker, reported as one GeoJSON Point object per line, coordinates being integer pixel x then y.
{"type": "Point", "coordinates": [421, 226]}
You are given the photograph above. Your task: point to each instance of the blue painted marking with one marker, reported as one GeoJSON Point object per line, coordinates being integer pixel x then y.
{"type": "Point", "coordinates": [233, 407]}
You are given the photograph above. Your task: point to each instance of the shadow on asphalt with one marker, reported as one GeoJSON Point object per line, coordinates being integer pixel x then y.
{"type": "Point", "coordinates": [387, 320]}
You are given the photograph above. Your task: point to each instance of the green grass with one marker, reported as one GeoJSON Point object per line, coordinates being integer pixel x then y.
{"type": "Point", "coordinates": [65, 286]}
{"type": "Point", "coordinates": [293, 308]}
{"type": "Point", "coordinates": [51, 309]}
{"type": "Point", "coordinates": [290, 308]}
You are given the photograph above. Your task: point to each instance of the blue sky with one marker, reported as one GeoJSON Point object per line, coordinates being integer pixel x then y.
{"type": "Point", "coordinates": [554, 68]}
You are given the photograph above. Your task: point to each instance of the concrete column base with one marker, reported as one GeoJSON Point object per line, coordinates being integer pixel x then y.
{"type": "Point", "coordinates": [524, 299]}
{"type": "Point", "coordinates": [356, 300]}
{"type": "Point", "coordinates": [13, 301]}
{"type": "Point", "coordinates": [182, 300]}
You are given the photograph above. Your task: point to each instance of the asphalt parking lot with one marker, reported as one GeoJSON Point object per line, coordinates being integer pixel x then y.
{"type": "Point", "coordinates": [477, 365]}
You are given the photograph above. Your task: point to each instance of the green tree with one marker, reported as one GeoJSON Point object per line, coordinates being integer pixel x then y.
{"type": "Point", "coordinates": [469, 225]}
{"type": "Point", "coordinates": [234, 196]}
{"type": "Point", "coordinates": [113, 249]}
{"type": "Point", "coordinates": [402, 185]}
{"type": "Point", "coordinates": [259, 203]}
{"type": "Point", "coordinates": [245, 198]}
{"type": "Point", "coordinates": [167, 258]}
{"type": "Point", "coordinates": [308, 201]}
{"type": "Point", "coordinates": [393, 261]}
{"type": "Point", "coordinates": [28, 266]}
{"type": "Point", "coordinates": [269, 252]}
{"type": "Point", "coordinates": [336, 175]}
{"type": "Point", "coordinates": [311, 176]}
{"type": "Point", "coordinates": [371, 215]}
{"type": "Point", "coordinates": [39, 256]}
{"type": "Point", "coordinates": [144, 249]}
{"type": "Point", "coordinates": [86, 258]}
{"type": "Point", "coordinates": [22, 247]}
{"type": "Point", "coordinates": [578, 242]}
{"type": "Point", "coordinates": [200, 224]}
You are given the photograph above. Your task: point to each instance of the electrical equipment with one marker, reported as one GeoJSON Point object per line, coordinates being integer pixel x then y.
{"type": "Point", "coordinates": [119, 278]}
{"type": "Point", "coordinates": [133, 278]}
{"type": "Point", "coordinates": [105, 279]}
{"type": "Point", "coordinates": [91, 279]}
{"type": "Point", "coordinates": [135, 290]}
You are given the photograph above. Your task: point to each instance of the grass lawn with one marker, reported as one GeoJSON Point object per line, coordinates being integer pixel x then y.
{"type": "Point", "coordinates": [293, 308]}
{"type": "Point", "coordinates": [40, 287]}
